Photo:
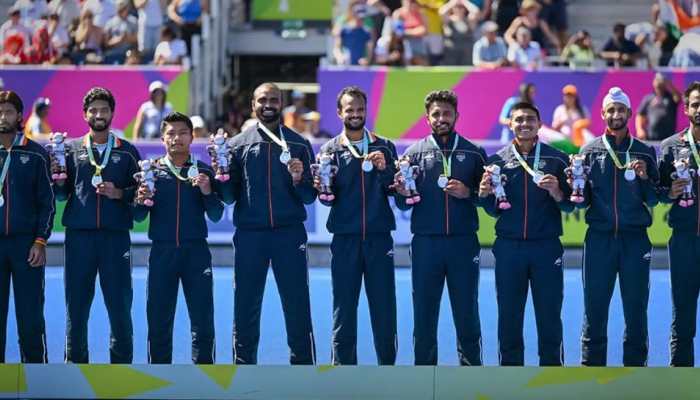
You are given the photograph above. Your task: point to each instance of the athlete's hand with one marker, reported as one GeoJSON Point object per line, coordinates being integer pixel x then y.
{"type": "Point", "coordinates": [550, 183]}
{"type": "Point", "coordinates": [377, 159]}
{"type": "Point", "coordinates": [317, 183]}
{"type": "Point", "coordinates": [485, 188]}
{"type": "Point", "coordinates": [677, 188]}
{"type": "Point", "coordinates": [109, 190]}
{"type": "Point", "coordinates": [203, 182]}
{"type": "Point", "coordinates": [296, 169]}
{"type": "Point", "coordinates": [142, 194]}
{"type": "Point", "coordinates": [456, 188]}
{"type": "Point", "coordinates": [37, 255]}
{"type": "Point", "coordinates": [640, 168]}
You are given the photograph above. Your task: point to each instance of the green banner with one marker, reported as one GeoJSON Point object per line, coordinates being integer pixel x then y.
{"type": "Point", "coordinates": [282, 10]}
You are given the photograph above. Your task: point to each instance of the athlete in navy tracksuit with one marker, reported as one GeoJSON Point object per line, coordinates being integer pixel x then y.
{"type": "Point", "coordinates": [361, 221]}
{"type": "Point", "coordinates": [180, 252]}
{"type": "Point", "coordinates": [26, 218]}
{"type": "Point", "coordinates": [527, 248]}
{"type": "Point", "coordinates": [616, 240]}
{"type": "Point", "coordinates": [97, 218]}
{"type": "Point", "coordinates": [444, 225]}
{"type": "Point", "coordinates": [684, 246]}
{"type": "Point", "coordinates": [269, 216]}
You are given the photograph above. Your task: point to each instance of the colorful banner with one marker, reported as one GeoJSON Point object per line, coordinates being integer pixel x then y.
{"type": "Point", "coordinates": [34, 381]}
{"type": "Point", "coordinates": [66, 86]}
{"type": "Point", "coordinates": [396, 96]}
{"type": "Point", "coordinates": [282, 10]}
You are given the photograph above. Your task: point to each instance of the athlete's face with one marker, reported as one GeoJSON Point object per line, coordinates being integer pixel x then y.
{"type": "Point", "coordinates": [9, 119]}
{"type": "Point", "coordinates": [692, 109]}
{"type": "Point", "coordinates": [616, 116]}
{"type": "Point", "coordinates": [98, 115]}
{"type": "Point", "coordinates": [177, 138]}
{"type": "Point", "coordinates": [442, 117]}
{"type": "Point", "coordinates": [352, 112]}
{"type": "Point", "coordinates": [525, 124]}
{"type": "Point", "coordinates": [267, 102]}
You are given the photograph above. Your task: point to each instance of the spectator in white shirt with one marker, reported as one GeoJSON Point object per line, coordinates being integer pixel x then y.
{"type": "Point", "coordinates": [120, 33]}
{"type": "Point", "coordinates": [171, 50]}
{"type": "Point", "coordinates": [102, 10]}
{"type": "Point", "coordinates": [150, 21]}
{"type": "Point", "coordinates": [31, 10]}
{"type": "Point", "coordinates": [525, 53]}
{"type": "Point", "coordinates": [58, 34]}
{"type": "Point", "coordinates": [68, 11]}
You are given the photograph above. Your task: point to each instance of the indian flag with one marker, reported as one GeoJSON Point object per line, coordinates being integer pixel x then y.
{"type": "Point", "coordinates": [680, 16]}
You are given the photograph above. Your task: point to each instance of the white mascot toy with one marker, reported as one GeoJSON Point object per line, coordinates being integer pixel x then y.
{"type": "Point", "coordinates": [147, 177]}
{"type": "Point", "coordinates": [325, 171]}
{"type": "Point", "coordinates": [57, 151]}
{"type": "Point", "coordinates": [578, 173]}
{"type": "Point", "coordinates": [219, 150]}
{"type": "Point", "coordinates": [498, 182]}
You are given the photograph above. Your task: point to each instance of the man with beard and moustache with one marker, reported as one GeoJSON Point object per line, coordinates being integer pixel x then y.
{"type": "Point", "coordinates": [527, 248]}
{"type": "Point", "coordinates": [270, 183]}
{"type": "Point", "coordinates": [620, 189]}
{"type": "Point", "coordinates": [184, 188]}
{"type": "Point", "coordinates": [444, 225]}
{"type": "Point", "coordinates": [99, 190]}
{"type": "Point", "coordinates": [684, 246]}
{"type": "Point", "coordinates": [361, 221]}
{"type": "Point", "coordinates": [27, 209]}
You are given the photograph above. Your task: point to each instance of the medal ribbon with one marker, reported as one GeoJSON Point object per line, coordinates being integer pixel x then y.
{"type": "Point", "coordinates": [535, 165]}
{"type": "Point", "coordinates": [91, 156]}
{"type": "Point", "coordinates": [613, 154]}
{"type": "Point", "coordinates": [446, 161]}
{"type": "Point", "coordinates": [174, 169]}
{"type": "Point", "coordinates": [365, 144]}
{"type": "Point", "coordinates": [6, 164]}
{"type": "Point", "coordinates": [691, 141]}
{"type": "Point", "coordinates": [279, 140]}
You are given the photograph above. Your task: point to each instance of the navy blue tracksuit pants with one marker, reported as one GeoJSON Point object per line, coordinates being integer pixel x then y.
{"type": "Point", "coordinates": [168, 265]}
{"type": "Point", "coordinates": [28, 289]}
{"type": "Point", "coordinates": [87, 253]}
{"type": "Point", "coordinates": [684, 253]}
{"type": "Point", "coordinates": [373, 258]}
{"type": "Point", "coordinates": [605, 256]}
{"type": "Point", "coordinates": [285, 248]}
{"type": "Point", "coordinates": [538, 264]}
{"type": "Point", "coordinates": [454, 259]}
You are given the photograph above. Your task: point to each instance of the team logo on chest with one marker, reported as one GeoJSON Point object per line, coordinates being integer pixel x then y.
{"type": "Point", "coordinates": [347, 157]}
{"type": "Point", "coordinates": [601, 160]}
{"type": "Point", "coordinates": [82, 154]}
{"type": "Point", "coordinates": [460, 157]}
{"type": "Point", "coordinates": [24, 158]}
{"type": "Point", "coordinates": [254, 150]}
{"type": "Point", "coordinates": [116, 158]}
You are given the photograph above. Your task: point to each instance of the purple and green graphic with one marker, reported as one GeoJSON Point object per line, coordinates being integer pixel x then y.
{"type": "Point", "coordinates": [396, 96]}
{"type": "Point", "coordinates": [66, 86]}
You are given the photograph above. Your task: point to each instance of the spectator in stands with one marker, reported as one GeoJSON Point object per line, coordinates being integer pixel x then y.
{"type": "Point", "coordinates": [656, 116]}
{"type": "Point", "coordinates": [88, 40]}
{"type": "Point", "coordinates": [37, 126]}
{"type": "Point", "coordinates": [133, 57]}
{"type": "Point", "coordinates": [460, 20]}
{"type": "Point", "coordinates": [59, 37]}
{"type": "Point", "coordinates": [199, 129]}
{"type": "Point", "coordinates": [102, 11]}
{"type": "Point", "coordinates": [377, 13]}
{"type": "Point", "coordinates": [414, 29]}
{"type": "Point", "coordinates": [152, 112]}
{"type": "Point", "coordinates": [526, 94]}
{"type": "Point", "coordinates": [571, 118]}
{"type": "Point", "coordinates": [312, 127]}
{"type": "Point", "coordinates": [150, 20]}
{"type": "Point", "coordinates": [31, 11]}
{"type": "Point", "coordinates": [291, 115]}
{"type": "Point", "coordinates": [42, 50]}
{"type": "Point", "coordinates": [663, 46]}
{"type": "Point", "coordinates": [353, 42]}
{"type": "Point", "coordinates": [120, 34]}
{"type": "Point", "coordinates": [555, 15]}
{"type": "Point", "coordinates": [434, 44]}
{"type": "Point", "coordinates": [484, 9]}
{"type": "Point", "coordinates": [14, 26]}
{"type": "Point", "coordinates": [579, 51]}
{"type": "Point", "coordinates": [506, 13]}
{"type": "Point", "coordinates": [524, 52]}
{"type": "Point", "coordinates": [687, 52]}
{"type": "Point", "coordinates": [171, 50]}
{"type": "Point", "coordinates": [394, 50]}
{"type": "Point", "coordinates": [187, 15]}
{"type": "Point", "coordinates": [13, 50]}
{"type": "Point", "coordinates": [539, 29]}
{"type": "Point", "coordinates": [620, 51]}
{"type": "Point", "coordinates": [67, 11]}
{"type": "Point", "coordinates": [490, 51]}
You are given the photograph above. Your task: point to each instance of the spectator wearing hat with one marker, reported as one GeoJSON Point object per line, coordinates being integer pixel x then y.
{"type": "Point", "coordinates": [312, 127]}
{"type": "Point", "coordinates": [539, 29]}
{"type": "Point", "coordinates": [152, 112]}
{"type": "Point", "coordinates": [579, 51]}
{"type": "Point", "coordinates": [37, 127]}
{"type": "Point", "coordinates": [524, 52]}
{"type": "Point", "coordinates": [620, 51]}
{"type": "Point", "coordinates": [120, 34]}
{"type": "Point", "coordinates": [291, 115]}
{"type": "Point", "coordinates": [199, 129]}
{"type": "Point", "coordinates": [490, 51]}
{"type": "Point", "coordinates": [14, 26]}
{"type": "Point", "coordinates": [656, 116]}
{"type": "Point", "coordinates": [460, 20]}
{"type": "Point", "coordinates": [102, 10]}
{"type": "Point", "coordinates": [170, 50]}
{"type": "Point", "coordinates": [571, 118]}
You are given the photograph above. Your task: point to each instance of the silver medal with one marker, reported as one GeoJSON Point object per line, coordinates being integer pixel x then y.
{"type": "Point", "coordinates": [96, 180]}
{"type": "Point", "coordinates": [2, 200]}
{"type": "Point", "coordinates": [442, 181]}
{"type": "Point", "coordinates": [192, 172]}
{"type": "Point", "coordinates": [630, 175]}
{"type": "Point", "coordinates": [285, 157]}
{"type": "Point", "coordinates": [367, 166]}
{"type": "Point", "coordinates": [537, 178]}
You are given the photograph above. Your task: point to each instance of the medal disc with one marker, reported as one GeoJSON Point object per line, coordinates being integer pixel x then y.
{"type": "Point", "coordinates": [192, 172]}
{"type": "Point", "coordinates": [285, 157]}
{"type": "Point", "coordinates": [537, 178]}
{"type": "Point", "coordinates": [2, 201]}
{"type": "Point", "coordinates": [630, 175]}
{"type": "Point", "coordinates": [96, 180]}
{"type": "Point", "coordinates": [442, 181]}
{"type": "Point", "coordinates": [367, 166]}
